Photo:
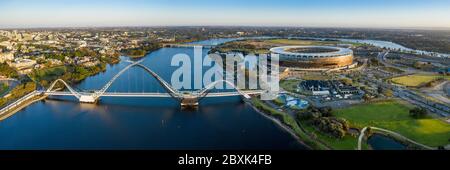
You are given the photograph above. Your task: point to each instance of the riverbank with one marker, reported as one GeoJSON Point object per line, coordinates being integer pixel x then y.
{"type": "Point", "coordinates": [21, 106]}
{"type": "Point", "coordinates": [142, 51]}
{"type": "Point", "coordinates": [280, 124]}
{"type": "Point", "coordinates": [288, 123]}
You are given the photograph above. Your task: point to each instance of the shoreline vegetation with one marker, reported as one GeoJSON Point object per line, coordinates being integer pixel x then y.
{"type": "Point", "coordinates": [280, 124]}
{"type": "Point", "coordinates": [73, 71]}
{"type": "Point", "coordinates": [70, 73]}
{"type": "Point", "coordinates": [141, 51]}
{"type": "Point", "coordinates": [314, 138]}
{"type": "Point", "coordinates": [289, 124]}
{"type": "Point", "coordinates": [18, 92]}
{"type": "Point", "coordinates": [20, 107]}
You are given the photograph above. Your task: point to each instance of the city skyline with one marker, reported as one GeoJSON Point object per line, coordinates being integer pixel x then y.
{"type": "Point", "coordinates": [322, 13]}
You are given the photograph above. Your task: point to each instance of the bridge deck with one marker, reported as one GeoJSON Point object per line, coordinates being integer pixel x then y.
{"type": "Point", "coordinates": [171, 92]}
{"type": "Point", "coordinates": [223, 94]}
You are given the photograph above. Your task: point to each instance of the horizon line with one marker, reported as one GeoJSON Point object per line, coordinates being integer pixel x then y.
{"type": "Point", "coordinates": [244, 26]}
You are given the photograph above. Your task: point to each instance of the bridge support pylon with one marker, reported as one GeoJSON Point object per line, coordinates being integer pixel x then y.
{"type": "Point", "coordinates": [189, 103]}
{"type": "Point", "coordinates": [87, 99]}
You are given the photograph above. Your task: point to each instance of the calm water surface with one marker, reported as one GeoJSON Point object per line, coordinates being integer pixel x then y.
{"type": "Point", "coordinates": [141, 123]}
{"type": "Point", "coordinates": [380, 142]}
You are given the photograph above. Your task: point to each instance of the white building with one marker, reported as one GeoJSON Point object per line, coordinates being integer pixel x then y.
{"type": "Point", "coordinates": [321, 93]}
{"type": "Point", "coordinates": [9, 45]}
{"type": "Point", "coordinates": [22, 64]}
{"type": "Point", "coordinates": [9, 56]}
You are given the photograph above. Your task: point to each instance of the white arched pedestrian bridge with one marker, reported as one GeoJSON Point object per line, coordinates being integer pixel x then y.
{"type": "Point", "coordinates": [185, 98]}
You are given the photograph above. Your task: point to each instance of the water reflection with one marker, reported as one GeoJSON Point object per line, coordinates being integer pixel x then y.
{"type": "Point", "coordinates": [381, 142]}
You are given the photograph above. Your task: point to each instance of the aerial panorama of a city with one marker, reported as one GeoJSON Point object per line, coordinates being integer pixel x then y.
{"type": "Point", "coordinates": [236, 83]}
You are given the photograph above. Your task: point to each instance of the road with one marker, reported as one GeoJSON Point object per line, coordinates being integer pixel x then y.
{"type": "Point", "coordinates": [409, 95]}
{"type": "Point", "coordinates": [382, 58]}
{"type": "Point", "coordinates": [18, 102]}
{"type": "Point", "coordinates": [438, 92]}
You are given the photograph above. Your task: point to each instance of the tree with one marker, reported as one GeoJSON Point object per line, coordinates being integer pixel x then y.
{"type": "Point", "coordinates": [369, 131]}
{"type": "Point", "coordinates": [333, 126]}
{"type": "Point", "coordinates": [344, 123]}
{"type": "Point", "coordinates": [380, 89]}
{"type": "Point", "coordinates": [417, 65]}
{"type": "Point", "coordinates": [326, 111]}
{"type": "Point", "coordinates": [363, 88]}
{"type": "Point", "coordinates": [367, 97]}
{"type": "Point", "coordinates": [418, 113]}
{"type": "Point", "coordinates": [308, 115]}
{"type": "Point", "coordinates": [347, 81]}
{"type": "Point", "coordinates": [6, 70]}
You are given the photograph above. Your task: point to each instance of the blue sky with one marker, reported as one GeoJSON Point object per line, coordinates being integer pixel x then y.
{"type": "Point", "coordinates": [313, 13]}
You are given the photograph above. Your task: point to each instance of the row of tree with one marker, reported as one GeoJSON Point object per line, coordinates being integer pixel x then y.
{"type": "Point", "coordinates": [324, 120]}
{"type": "Point", "coordinates": [7, 71]}
{"type": "Point", "coordinates": [418, 113]}
{"type": "Point", "coordinates": [17, 92]}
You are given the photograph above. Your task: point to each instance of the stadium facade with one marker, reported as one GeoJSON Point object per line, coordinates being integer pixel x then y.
{"type": "Point", "coordinates": [314, 57]}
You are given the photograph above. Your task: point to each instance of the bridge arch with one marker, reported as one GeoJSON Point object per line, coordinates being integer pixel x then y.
{"type": "Point", "coordinates": [52, 86]}
{"type": "Point", "coordinates": [173, 92]}
{"type": "Point", "coordinates": [113, 79]}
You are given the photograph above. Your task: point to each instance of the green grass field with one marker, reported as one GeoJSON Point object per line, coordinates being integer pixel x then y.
{"type": "Point", "coordinates": [49, 73]}
{"type": "Point", "coordinates": [394, 115]}
{"type": "Point", "coordinates": [416, 79]}
{"type": "Point", "coordinates": [289, 85]}
{"type": "Point", "coordinates": [315, 76]}
{"type": "Point", "coordinates": [346, 143]}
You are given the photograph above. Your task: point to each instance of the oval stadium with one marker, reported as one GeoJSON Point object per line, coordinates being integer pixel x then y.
{"type": "Point", "coordinates": [314, 57]}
